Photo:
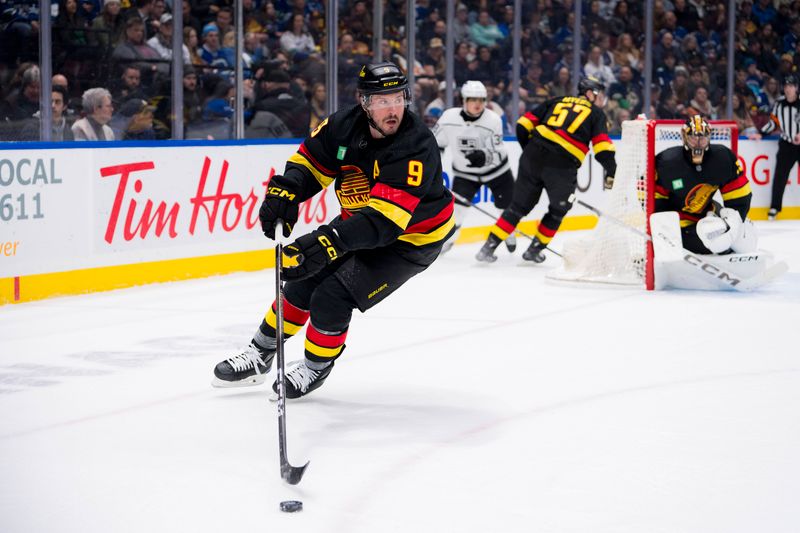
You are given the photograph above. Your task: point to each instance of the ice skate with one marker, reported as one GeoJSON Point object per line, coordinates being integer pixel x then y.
{"type": "Point", "coordinates": [772, 213]}
{"type": "Point", "coordinates": [534, 252]}
{"type": "Point", "coordinates": [300, 379]}
{"type": "Point", "coordinates": [248, 368]}
{"type": "Point", "coordinates": [486, 253]}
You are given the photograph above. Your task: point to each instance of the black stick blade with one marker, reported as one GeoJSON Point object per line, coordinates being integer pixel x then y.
{"type": "Point", "coordinates": [293, 474]}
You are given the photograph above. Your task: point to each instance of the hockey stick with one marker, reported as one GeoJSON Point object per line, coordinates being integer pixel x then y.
{"type": "Point", "coordinates": [488, 214]}
{"type": "Point", "coordinates": [291, 474]}
{"type": "Point", "coordinates": [723, 276]}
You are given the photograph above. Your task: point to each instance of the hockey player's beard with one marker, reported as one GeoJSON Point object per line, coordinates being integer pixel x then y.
{"type": "Point", "coordinates": [389, 125]}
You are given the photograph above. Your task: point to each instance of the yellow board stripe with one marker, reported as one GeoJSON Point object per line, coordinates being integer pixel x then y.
{"type": "Point", "coordinates": [399, 216]}
{"type": "Point", "coordinates": [88, 280]}
{"type": "Point", "coordinates": [320, 177]}
{"type": "Point", "coordinates": [323, 352]}
{"type": "Point", "coordinates": [738, 193]}
{"type": "Point", "coordinates": [419, 239]}
{"type": "Point", "coordinates": [550, 135]}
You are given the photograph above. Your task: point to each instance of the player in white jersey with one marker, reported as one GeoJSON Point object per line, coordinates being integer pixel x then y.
{"type": "Point", "coordinates": [475, 138]}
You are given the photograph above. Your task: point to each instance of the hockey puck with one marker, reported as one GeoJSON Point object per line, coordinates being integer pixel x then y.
{"type": "Point", "coordinates": [291, 506]}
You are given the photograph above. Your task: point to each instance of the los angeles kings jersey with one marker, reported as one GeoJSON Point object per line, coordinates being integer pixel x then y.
{"type": "Point", "coordinates": [687, 188]}
{"type": "Point", "coordinates": [464, 134]}
{"type": "Point", "coordinates": [566, 125]}
{"type": "Point", "coordinates": [390, 190]}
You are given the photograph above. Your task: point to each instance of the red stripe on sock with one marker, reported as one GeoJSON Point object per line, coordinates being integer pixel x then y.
{"type": "Point", "coordinates": [323, 339]}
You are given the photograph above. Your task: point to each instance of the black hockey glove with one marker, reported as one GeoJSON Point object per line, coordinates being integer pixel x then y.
{"type": "Point", "coordinates": [279, 203]}
{"type": "Point", "coordinates": [477, 158]}
{"type": "Point", "coordinates": [608, 182]}
{"type": "Point", "coordinates": [311, 253]}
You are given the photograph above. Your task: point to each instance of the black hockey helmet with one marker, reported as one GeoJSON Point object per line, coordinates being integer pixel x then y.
{"type": "Point", "coordinates": [790, 79]}
{"type": "Point", "coordinates": [378, 78]}
{"type": "Point", "coordinates": [590, 83]}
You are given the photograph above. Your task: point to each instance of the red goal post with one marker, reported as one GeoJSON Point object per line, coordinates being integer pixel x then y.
{"type": "Point", "coordinates": [610, 254]}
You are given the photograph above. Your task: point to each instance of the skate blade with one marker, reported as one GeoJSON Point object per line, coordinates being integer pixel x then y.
{"type": "Point", "coordinates": [252, 381]}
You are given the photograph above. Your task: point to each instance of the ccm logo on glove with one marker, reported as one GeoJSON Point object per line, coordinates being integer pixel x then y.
{"type": "Point", "coordinates": [311, 253]}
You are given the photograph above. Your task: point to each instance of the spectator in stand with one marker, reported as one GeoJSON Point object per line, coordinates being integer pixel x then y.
{"type": "Point", "coordinates": [596, 68]}
{"type": "Point", "coordinates": [359, 22]}
{"type": "Point", "coordinates": [625, 21]}
{"type": "Point", "coordinates": [764, 12]}
{"type": "Point", "coordinates": [686, 15]}
{"type": "Point", "coordinates": [30, 130]}
{"type": "Point", "coordinates": [484, 32]}
{"type": "Point", "coordinates": [224, 20]}
{"type": "Point", "coordinates": [135, 51]}
{"type": "Point", "coordinates": [192, 101]}
{"type": "Point", "coordinates": [128, 86]}
{"type": "Point", "coordinates": [626, 54]}
{"type": "Point", "coordinates": [666, 44]}
{"type": "Point", "coordinates": [765, 61]}
{"type": "Point", "coordinates": [297, 39]}
{"type": "Point", "coordinates": [626, 92]}
{"type": "Point", "coordinates": [772, 90]}
{"type": "Point", "coordinates": [98, 110]}
{"type": "Point", "coordinates": [108, 27]}
{"type": "Point", "coordinates": [189, 20]}
{"type": "Point", "coordinates": [690, 50]}
{"type": "Point", "coordinates": [433, 62]}
{"type": "Point", "coordinates": [461, 70]}
{"type": "Point", "coordinates": [701, 105]}
{"type": "Point", "coordinates": [741, 114]}
{"type": "Point", "coordinates": [318, 103]}
{"type": "Point", "coordinates": [70, 36]}
{"type": "Point", "coordinates": [669, 108]}
{"type": "Point", "coordinates": [23, 99]}
{"type": "Point", "coordinates": [532, 90]}
{"type": "Point", "coordinates": [790, 39]}
{"type": "Point", "coordinates": [211, 52]}
{"type": "Point", "coordinates": [190, 41]}
{"type": "Point", "coordinates": [134, 122]}
{"type": "Point", "coordinates": [162, 43]}
{"type": "Point", "coordinates": [141, 10]}
{"type": "Point", "coordinates": [680, 85]}
{"type": "Point", "coordinates": [487, 69]}
{"type": "Point", "coordinates": [769, 40]}
{"type": "Point", "coordinates": [89, 9]}
{"type": "Point", "coordinates": [460, 29]}
{"type": "Point", "coordinates": [274, 97]}
{"type": "Point", "coordinates": [561, 84]}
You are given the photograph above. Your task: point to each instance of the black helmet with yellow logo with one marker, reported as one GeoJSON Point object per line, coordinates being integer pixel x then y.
{"type": "Point", "coordinates": [696, 135]}
{"type": "Point", "coordinates": [377, 78]}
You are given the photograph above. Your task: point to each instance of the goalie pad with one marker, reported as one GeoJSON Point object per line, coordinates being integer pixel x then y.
{"type": "Point", "coordinates": [677, 268]}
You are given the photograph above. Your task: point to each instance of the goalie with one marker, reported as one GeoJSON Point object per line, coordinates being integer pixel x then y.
{"type": "Point", "coordinates": [686, 179]}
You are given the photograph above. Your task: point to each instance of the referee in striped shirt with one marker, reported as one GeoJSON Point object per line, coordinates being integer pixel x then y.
{"type": "Point", "coordinates": [786, 117]}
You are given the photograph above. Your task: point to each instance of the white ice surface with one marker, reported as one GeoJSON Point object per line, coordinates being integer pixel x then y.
{"type": "Point", "coordinates": [479, 398]}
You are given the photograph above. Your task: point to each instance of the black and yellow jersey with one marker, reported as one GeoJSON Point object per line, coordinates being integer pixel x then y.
{"type": "Point", "coordinates": [567, 125]}
{"type": "Point", "coordinates": [390, 190]}
{"type": "Point", "coordinates": [687, 188]}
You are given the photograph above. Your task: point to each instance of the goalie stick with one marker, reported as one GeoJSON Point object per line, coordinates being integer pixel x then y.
{"type": "Point", "coordinates": [723, 276]}
{"type": "Point", "coordinates": [291, 474]}
{"type": "Point", "coordinates": [488, 214]}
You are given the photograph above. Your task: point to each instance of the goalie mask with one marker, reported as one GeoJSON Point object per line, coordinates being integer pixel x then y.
{"type": "Point", "coordinates": [696, 134]}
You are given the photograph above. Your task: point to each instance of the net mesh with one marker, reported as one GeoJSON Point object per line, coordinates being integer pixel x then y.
{"type": "Point", "coordinates": [611, 254]}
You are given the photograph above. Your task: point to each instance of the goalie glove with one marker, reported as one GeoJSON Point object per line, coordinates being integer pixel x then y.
{"type": "Point", "coordinates": [477, 158]}
{"type": "Point", "coordinates": [719, 233]}
{"type": "Point", "coordinates": [311, 253]}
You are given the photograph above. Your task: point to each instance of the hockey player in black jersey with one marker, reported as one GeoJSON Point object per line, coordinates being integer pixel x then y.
{"type": "Point", "coordinates": [686, 179]}
{"type": "Point", "coordinates": [395, 216]}
{"type": "Point", "coordinates": [555, 138]}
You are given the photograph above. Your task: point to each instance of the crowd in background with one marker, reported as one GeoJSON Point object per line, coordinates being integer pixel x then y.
{"type": "Point", "coordinates": [112, 61]}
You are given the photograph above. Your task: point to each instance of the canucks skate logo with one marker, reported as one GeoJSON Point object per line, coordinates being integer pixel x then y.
{"type": "Point", "coordinates": [353, 193]}
{"type": "Point", "coordinates": [698, 198]}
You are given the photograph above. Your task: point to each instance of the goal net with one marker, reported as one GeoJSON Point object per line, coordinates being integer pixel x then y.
{"type": "Point", "coordinates": [611, 254]}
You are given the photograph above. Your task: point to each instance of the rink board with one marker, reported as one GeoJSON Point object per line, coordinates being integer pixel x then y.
{"type": "Point", "coordinates": [91, 217]}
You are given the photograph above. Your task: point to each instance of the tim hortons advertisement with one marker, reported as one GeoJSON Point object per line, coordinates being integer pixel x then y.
{"type": "Point", "coordinates": [75, 208]}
